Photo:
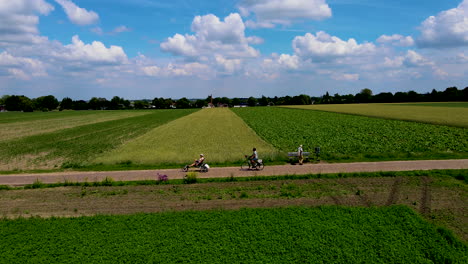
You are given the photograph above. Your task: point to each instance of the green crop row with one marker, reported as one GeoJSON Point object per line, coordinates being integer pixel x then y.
{"type": "Point", "coordinates": [348, 137]}
{"type": "Point", "coordinates": [75, 146]}
{"type": "Point", "coordinates": [286, 235]}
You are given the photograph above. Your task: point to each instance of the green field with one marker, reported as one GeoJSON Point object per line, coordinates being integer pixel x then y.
{"type": "Point", "coordinates": [76, 146]}
{"type": "Point", "coordinates": [17, 125]}
{"type": "Point", "coordinates": [217, 133]}
{"type": "Point", "coordinates": [451, 114]}
{"type": "Point", "coordinates": [354, 138]}
{"type": "Point", "coordinates": [286, 235]}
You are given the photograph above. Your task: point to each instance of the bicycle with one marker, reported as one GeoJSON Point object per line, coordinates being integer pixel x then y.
{"type": "Point", "coordinates": [247, 165]}
{"type": "Point", "coordinates": [202, 167]}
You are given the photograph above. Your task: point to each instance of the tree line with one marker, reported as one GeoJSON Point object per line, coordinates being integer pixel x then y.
{"type": "Point", "coordinates": [49, 102]}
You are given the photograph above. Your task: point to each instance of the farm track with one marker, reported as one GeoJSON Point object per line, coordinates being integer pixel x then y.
{"type": "Point", "coordinates": [220, 172]}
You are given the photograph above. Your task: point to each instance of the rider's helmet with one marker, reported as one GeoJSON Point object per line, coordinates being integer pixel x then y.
{"type": "Point", "coordinates": [201, 155]}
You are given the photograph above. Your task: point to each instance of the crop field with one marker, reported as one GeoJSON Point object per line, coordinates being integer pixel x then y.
{"type": "Point", "coordinates": [16, 125]}
{"type": "Point", "coordinates": [217, 133]}
{"type": "Point", "coordinates": [450, 114]}
{"type": "Point", "coordinates": [96, 133]}
{"type": "Point", "coordinates": [296, 234]}
{"type": "Point", "coordinates": [349, 137]}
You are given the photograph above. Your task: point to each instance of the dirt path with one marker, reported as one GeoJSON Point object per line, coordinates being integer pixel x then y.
{"type": "Point", "coordinates": [22, 179]}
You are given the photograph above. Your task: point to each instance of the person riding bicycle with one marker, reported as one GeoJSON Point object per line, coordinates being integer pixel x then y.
{"type": "Point", "coordinates": [254, 158]}
{"type": "Point", "coordinates": [198, 162]}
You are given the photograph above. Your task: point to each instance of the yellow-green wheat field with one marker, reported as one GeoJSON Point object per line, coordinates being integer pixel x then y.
{"type": "Point", "coordinates": [216, 132]}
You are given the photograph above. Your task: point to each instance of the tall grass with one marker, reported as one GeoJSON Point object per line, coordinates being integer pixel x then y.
{"type": "Point", "coordinates": [218, 133]}
{"type": "Point", "coordinates": [440, 114]}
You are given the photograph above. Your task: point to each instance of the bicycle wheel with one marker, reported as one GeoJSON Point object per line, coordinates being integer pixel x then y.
{"type": "Point", "coordinates": [245, 165]}
{"type": "Point", "coordinates": [260, 166]}
{"type": "Point", "coordinates": [185, 168]}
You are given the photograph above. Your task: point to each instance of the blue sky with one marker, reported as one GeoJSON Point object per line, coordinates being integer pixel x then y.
{"type": "Point", "coordinates": [235, 48]}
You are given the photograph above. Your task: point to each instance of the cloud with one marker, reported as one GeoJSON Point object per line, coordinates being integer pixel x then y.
{"type": "Point", "coordinates": [323, 47]}
{"type": "Point", "coordinates": [285, 12]}
{"type": "Point", "coordinates": [345, 76]}
{"type": "Point", "coordinates": [228, 65]}
{"type": "Point", "coordinates": [396, 40]}
{"type": "Point", "coordinates": [117, 30]}
{"type": "Point", "coordinates": [78, 15]}
{"type": "Point", "coordinates": [411, 59]}
{"type": "Point", "coordinates": [21, 67]}
{"type": "Point", "coordinates": [414, 59]}
{"type": "Point", "coordinates": [175, 70]}
{"type": "Point", "coordinates": [288, 61]}
{"type": "Point", "coordinates": [212, 37]}
{"type": "Point", "coordinates": [121, 29]}
{"type": "Point", "coordinates": [447, 29]}
{"type": "Point", "coordinates": [95, 53]}
{"type": "Point", "coordinates": [19, 20]}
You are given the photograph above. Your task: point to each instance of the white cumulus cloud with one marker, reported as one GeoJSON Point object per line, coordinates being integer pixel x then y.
{"type": "Point", "coordinates": [19, 20]}
{"type": "Point", "coordinates": [95, 53]}
{"type": "Point", "coordinates": [396, 40]}
{"type": "Point", "coordinates": [447, 29]}
{"type": "Point", "coordinates": [213, 37]}
{"type": "Point", "coordinates": [176, 70]}
{"type": "Point", "coordinates": [269, 12]}
{"type": "Point", "coordinates": [323, 47]}
{"type": "Point", "coordinates": [21, 67]}
{"type": "Point", "coordinates": [78, 15]}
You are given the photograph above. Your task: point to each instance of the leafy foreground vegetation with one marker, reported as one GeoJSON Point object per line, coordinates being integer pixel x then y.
{"type": "Point", "coordinates": [217, 133]}
{"type": "Point", "coordinates": [74, 147]}
{"type": "Point", "coordinates": [297, 234]}
{"type": "Point", "coordinates": [451, 114]}
{"type": "Point", "coordinates": [354, 138]}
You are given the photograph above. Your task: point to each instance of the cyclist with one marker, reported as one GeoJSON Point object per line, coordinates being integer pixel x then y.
{"type": "Point", "coordinates": [197, 162]}
{"type": "Point", "coordinates": [253, 158]}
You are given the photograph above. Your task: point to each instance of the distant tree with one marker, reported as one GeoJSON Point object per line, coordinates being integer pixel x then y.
{"type": "Point", "coordinates": [116, 103]}
{"type": "Point", "coordinates": [183, 103]}
{"type": "Point", "coordinates": [263, 101]}
{"type": "Point", "coordinates": [326, 99]}
{"type": "Point", "coordinates": [67, 103]}
{"type": "Point", "coordinates": [200, 103]}
{"type": "Point", "coordinates": [465, 94]}
{"type": "Point", "coordinates": [383, 98]}
{"type": "Point", "coordinates": [365, 96]}
{"type": "Point", "coordinates": [94, 104]}
{"type": "Point", "coordinates": [140, 104]}
{"type": "Point", "coordinates": [236, 101]}
{"type": "Point", "coordinates": [80, 105]}
{"type": "Point", "coordinates": [413, 96]}
{"type": "Point", "coordinates": [3, 98]}
{"type": "Point", "coordinates": [48, 102]}
{"type": "Point", "coordinates": [18, 103]}
{"type": "Point", "coordinates": [126, 104]}
{"type": "Point", "coordinates": [225, 101]}
{"type": "Point", "coordinates": [252, 101]}
{"type": "Point", "coordinates": [168, 102]}
{"type": "Point", "coordinates": [451, 94]}
{"type": "Point", "coordinates": [348, 99]}
{"type": "Point", "coordinates": [400, 97]}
